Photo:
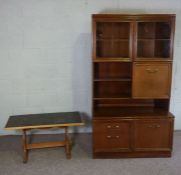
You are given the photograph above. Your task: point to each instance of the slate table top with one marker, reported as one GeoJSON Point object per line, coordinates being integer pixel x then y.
{"type": "Point", "coordinates": [30, 121]}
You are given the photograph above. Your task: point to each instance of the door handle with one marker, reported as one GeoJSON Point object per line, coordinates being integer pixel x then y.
{"type": "Point", "coordinates": [152, 70]}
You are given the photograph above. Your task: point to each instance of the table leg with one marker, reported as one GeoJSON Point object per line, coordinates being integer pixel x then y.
{"type": "Point", "coordinates": [25, 150]}
{"type": "Point", "coordinates": [67, 146]}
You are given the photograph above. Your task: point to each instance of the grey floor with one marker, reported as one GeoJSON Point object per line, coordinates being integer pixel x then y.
{"type": "Point", "coordinates": [52, 161]}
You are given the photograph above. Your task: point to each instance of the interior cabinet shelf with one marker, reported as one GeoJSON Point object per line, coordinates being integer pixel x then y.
{"type": "Point", "coordinates": [123, 96]}
{"type": "Point", "coordinates": [115, 79]}
{"type": "Point", "coordinates": [148, 39]}
{"type": "Point", "coordinates": [112, 39]}
{"type": "Point", "coordinates": [111, 59]}
{"type": "Point", "coordinates": [132, 111]}
{"type": "Point", "coordinates": [132, 69]}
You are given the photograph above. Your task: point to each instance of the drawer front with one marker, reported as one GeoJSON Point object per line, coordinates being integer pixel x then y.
{"type": "Point", "coordinates": [108, 136]}
{"type": "Point", "coordinates": [151, 80]}
{"type": "Point", "coordinates": [153, 135]}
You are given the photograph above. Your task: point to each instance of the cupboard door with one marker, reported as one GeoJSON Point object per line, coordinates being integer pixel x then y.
{"type": "Point", "coordinates": [112, 136]}
{"type": "Point", "coordinates": [151, 80]}
{"type": "Point", "coordinates": [154, 40]}
{"type": "Point", "coordinates": [153, 135]}
{"type": "Point", "coordinates": [112, 40]}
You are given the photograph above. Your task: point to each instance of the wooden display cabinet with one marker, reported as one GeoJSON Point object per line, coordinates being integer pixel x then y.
{"type": "Point", "coordinates": [132, 68]}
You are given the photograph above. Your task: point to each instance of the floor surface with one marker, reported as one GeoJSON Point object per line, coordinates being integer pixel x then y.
{"type": "Point", "coordinates": [52, 161]}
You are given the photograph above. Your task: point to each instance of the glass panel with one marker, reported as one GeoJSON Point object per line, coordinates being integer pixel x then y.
{"type": "Point", "coordinates": [163, 30]}
{"type": "Point", "coordinates": [112, 39]}
{"type": "Point", "coordinates": [121, 30]}
{"type": "Point", "coordinates": [104, 48]}
{"type": "Point", "coordinates": [104, 30]}
{"type": "Point", "coordinates": [145, 48]}
{"type": "Point", "coordinates": [153, 39]}
{"type": "Point", "coordinates": [146, 30]}
{"type": "Point", "coordinates": [120, 49]}
{"type": "Point", "coordinates": [162, 48]}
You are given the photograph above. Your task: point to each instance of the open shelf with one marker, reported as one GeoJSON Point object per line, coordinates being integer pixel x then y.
{"type": "Point", "coordinates": [131, 111]}
{"type": "Point", "coordinates": [108, 89]}
{"type": "Point", "coordinates": [129, 107]}
{"type": "Point", "coordinates": [112, 71]}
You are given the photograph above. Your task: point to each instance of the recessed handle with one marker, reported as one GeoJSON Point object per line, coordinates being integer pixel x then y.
{"type": "Point", "coordinates": [158, 126]}
{"type": "Point", "coordinates": [100, 35]}
{"type": "Point", "coordinates": [154, 126]}
{"type": "Point", "coordinates": [108, 126]}
{"type": "Point", "coordinates": [117, 137]}
{"type": "Point", "coordinates": [152, 70]}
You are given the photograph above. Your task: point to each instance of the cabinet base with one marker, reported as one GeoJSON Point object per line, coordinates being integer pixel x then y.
{"type": "Point", "coordinates": [104, 155]}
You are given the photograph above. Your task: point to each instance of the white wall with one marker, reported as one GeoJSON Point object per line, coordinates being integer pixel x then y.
{"type": "Point", "coordinates": [45, 53]}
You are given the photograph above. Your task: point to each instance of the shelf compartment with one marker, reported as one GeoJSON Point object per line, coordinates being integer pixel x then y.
{"type": "Point", "coordinates": [118, 79]}
{"type": "Point", "coordinates": [112, 48]}
{"type": "Point", "coordinates": [153, 48]}
{"type": "Point", "coordinates": [145, 48]}
{"type": "Point", "coordinates": [154, 30]}
{"type": "Point", "coordinates": [121, 102]}
{"type": "Point", "coordinates": [107, 30]}
{"type": "Point", "coordinates": [126, 107]}
{"type": "Point", "coordinates": [112, 71]}
{"type": "Point", "coordinates": [111, 59]}
{"type": "Point", "coordinates": [130, 111]}
{"type": "Point", "coordinates": [146, 30]}
{"type": "Point", "coordinates": [162, 48]}
{"type": "Point", "coordinates": [163, 30]}
{"type": "Point", "coordinates": [107, 89]}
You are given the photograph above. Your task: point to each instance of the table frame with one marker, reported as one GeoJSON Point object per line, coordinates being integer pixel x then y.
{"type": "Point", "coordinates": [66, 143]}
{"type": "Point", "coordinates": [28, 146]}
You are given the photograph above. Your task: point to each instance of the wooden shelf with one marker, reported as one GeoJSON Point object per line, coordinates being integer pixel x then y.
{"type": "Point", "coordinates": [129, 112]}
{"type": "Point", "coordinates": [111, 59]}
{"type": "Point", "coordinates": [148, 39]}
{"type": "Point", "coordinates": [112, 39]}
{"type": "Point", "coordinates": [157, 59]}
{"type": "Point", "coordinates": [113, 79]}
{"type": "Point", "coordinates": [112, 98]}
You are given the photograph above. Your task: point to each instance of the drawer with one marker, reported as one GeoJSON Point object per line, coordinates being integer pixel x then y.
{"type": "Point", "coordinates": [112, 136]}
{"type": "Point", "coordinates": [153, 135]}
{"type": "Point", "coordinates": [106, 127]}
{"type": "Point", "coordinates": [151, 80]}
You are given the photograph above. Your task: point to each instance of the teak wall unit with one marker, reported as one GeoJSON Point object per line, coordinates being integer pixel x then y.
{"type": "Point", "coordinates": [132, 68]}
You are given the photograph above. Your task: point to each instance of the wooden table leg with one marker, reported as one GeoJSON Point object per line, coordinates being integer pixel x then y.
{"type": "Point", "coordinates": [25, 150]}
{"type": "Point", "coordinates": [67, 146]}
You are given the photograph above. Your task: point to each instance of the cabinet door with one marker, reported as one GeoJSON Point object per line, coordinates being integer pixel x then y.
{"type": "Point", "coordinates": [154, 40]}
{"type": "Point", "coordinates": [153, 135]}
{"type": "Point", "coordinates": [112, 136]}
{"type": "Point", "coordinates": [112, 40]}
{"type": "Point", "coordinates": [151, 80]}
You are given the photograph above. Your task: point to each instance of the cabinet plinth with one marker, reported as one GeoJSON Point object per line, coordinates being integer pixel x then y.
{"type": "Point", "coordinates": [132, 70]}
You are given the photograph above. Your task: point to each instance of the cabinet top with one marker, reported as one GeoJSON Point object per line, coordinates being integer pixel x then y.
{"type": "Point", "coordinates": [134, 16]}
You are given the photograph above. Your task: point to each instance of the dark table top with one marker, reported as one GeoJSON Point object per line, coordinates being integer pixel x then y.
{"type": "Point", "coordinates": [45, 120]}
